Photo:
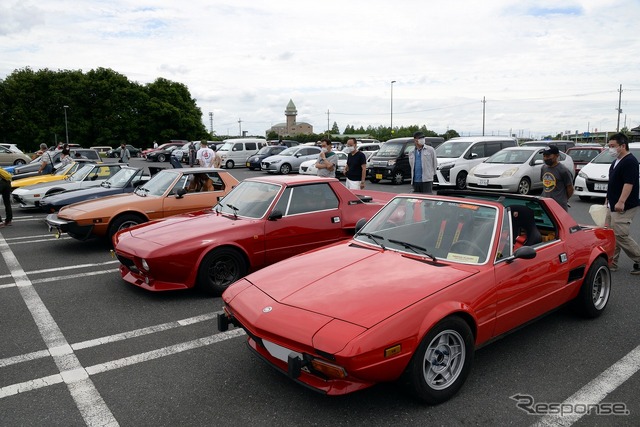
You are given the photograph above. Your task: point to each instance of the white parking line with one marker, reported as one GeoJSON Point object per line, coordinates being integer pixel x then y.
{"type": "Point", "coordinates": [597, 389]}
{"type": "Point", "coordinates": [67, 267]}
{"type": "Point", "coordinates": [92, 407]}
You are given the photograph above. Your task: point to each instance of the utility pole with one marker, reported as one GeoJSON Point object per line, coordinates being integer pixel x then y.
{"type": "Point", "coordinates": [619, 109]}
{"type": "Point", "coordinates": [66, 127]}
{"type": "Point", "coordinates": [484, 103]}
{"type": "Point", "coordinates": [328, 128]}
{"type": "Point", "coordinates": [392, 82]}
{"type": "Point", "coordinates": [240, 126]}
{"type": "Point", "coordinates": [211, 123]}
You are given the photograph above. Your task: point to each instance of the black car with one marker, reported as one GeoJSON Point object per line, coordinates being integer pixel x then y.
{"type": "Point", "coordinates": [133, 151]}
{"type": "Point", "coordinates": [124, 181]}
{"type": "Point", "coordinates": [253, 162]}
{"type": "Point", "coordinates": [162, 155]}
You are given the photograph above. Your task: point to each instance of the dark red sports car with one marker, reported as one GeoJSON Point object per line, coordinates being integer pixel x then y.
{"type": "Point", "coordinates": [262, 221]}
{"type": "Point", "coordinates": [420, 286]}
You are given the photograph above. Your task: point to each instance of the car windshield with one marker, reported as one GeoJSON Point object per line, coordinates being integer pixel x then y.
{"type": "Point", "coordinates": [65, 170]}
{"type": "Point", "coordinates": [514, 157]}
{"type": "Point", "coordinates": [249, 199]}
{"type": "Point", "coordinates": [159, 184]}
{"type": "Point", "coordinates": [267, 150]}
{"type": "Point", "coordinates": [606, 158]}
{"type": "Point", "coordinates": [390, 150]}
{"type": "Point", "coordinates": [121, 178]}
{"type": "Point", "coordinates": [289, 151]}
{"type": "Point", "coordinates": [81, 173]}
{"type": "Point", "coordinates": [583, 154]}
{"type": "Point", "coordinates": [437, 229]}
{"type": "Point", "coordinates": [227, 146]}
{"type": "Point", "coordinates": [452, 149]}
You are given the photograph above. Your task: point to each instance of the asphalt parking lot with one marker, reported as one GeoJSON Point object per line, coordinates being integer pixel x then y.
{"type": "Point", "coordinates": [81, 347]}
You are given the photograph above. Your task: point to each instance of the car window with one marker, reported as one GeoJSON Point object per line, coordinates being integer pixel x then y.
{"type": "Point", "coordinates": [238, 147]}
{"type": "Point", "coordinates": [452, 149]}
{"type": "Point", "coordinates": [492, 148]}
{"type": "Point", "coordinates": [311, 198]}
{"type": "Point", "coordinates": [409, 148]}
{"type": "Point", "coordinates": [505, 245]}
{"type": "Point", "coordinates": [477, 151]}
{"type": "Point", "coordinates": [583, 155]}
{"type": "Point", "coordinates": [251, 146]}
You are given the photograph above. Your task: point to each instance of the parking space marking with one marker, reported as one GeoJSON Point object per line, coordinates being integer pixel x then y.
{"type": "Point", "coordinates": [73, 276]}
{"type": "Point", "coordinates": [597, 389]}
{"type": "Point", "coordinates": [92, 407]}
{"type": "Point", "coordinates": [66, 267]}
{"type": "Point", "coordinates": [30, 385]}
{"type": "Point", "coordinates": [112, 338]}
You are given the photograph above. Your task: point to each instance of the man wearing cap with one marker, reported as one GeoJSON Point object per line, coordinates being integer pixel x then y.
{"type": "Point", "coordinates": [423, 163]}
{"type": "Point", "coordinates": [557, 181]}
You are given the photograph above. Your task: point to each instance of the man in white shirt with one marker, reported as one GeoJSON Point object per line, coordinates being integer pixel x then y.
{"type": "Point", "coordinates": [205, 155]}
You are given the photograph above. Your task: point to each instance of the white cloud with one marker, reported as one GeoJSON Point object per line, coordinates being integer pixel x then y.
{"type": "Point", "coordinates": [543, 66]}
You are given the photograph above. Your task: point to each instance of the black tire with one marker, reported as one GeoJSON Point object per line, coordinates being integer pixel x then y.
{"type": "Point", "coordinates": [461, 180]}
{"type": "Point", "coordinates": [251, 169]}
{"type": "Point", "coordinates": [219, 269]}
{"type": "Point", "coordinates": [161, 158]}
{"type": "Point", "coordinates": [584, 198]}
{"type": "Point", "coordinates": [122, 222]}
{"type": "Point", "coordinates": [595, 290]}
{"type": "Point", "coordinates": [285, 169]}
{"type": "Point", "coordinates": [19, 162]}
{"type": "Point", "coordinates": [434, 374]}
{"type": "Point", "coordinates": [524, 186]}
{"type": "Point", "coordinates": [374, 180]}
{"type": "Point", "coordinates": [229, 164]}
{"type": "Point", "coordinates": [397, 178]}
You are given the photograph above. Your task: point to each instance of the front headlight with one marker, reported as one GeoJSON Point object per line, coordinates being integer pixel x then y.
{"type": "Point", "coordinates": [583, 175]}
{"type": "Point", "coordinates": [509, 172]}
{"type": "Point", "coordinates": [445, 166]}
{"type": "Point", "coordinates": [273, 162]}
{"type": "Point", "coordinates": [473, 170]}
{"type": "Point", "coordinates": [144, 264]}
{"type": "Point", "coordinates": [391, 162]}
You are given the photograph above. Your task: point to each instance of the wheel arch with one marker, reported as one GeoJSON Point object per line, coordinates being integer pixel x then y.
{"type": "Point", "coordinates": [449, 309]}
{"type": "Point", "coordinates": [131, 212]}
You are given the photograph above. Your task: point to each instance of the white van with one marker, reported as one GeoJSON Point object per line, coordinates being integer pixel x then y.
{"type": "Point", "coordinates": [458, 155]}
{"type": "Point", "coordinates": [236, 151]}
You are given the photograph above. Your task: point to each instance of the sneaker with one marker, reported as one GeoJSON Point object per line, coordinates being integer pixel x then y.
{"type": "Point", "coordinates": [7, 223]}
{"type": "Point", "coordinates": [636, 268]}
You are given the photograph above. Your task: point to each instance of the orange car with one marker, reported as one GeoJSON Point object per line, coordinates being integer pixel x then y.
{"type": "Point", "coordinates": [170, 192]}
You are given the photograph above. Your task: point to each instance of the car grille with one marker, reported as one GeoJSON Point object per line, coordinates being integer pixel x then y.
{"type": "Point", "coordinates": [379, 163]}
{"type": "Point", "coordinates": [490, 186]}
{"type": "Point", "coordinates": [265, 165]}
{"type": "Point", "coordinates": [304, 168]}
{"type": "Point", "coordinates": [128, 263]}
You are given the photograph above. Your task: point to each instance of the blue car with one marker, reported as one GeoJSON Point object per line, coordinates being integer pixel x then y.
{"type": "Point", "coordinates": [124, 181]}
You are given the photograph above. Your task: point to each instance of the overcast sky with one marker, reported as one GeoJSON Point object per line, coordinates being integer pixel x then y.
{"type": "Point", "coordinates": [544, 66]}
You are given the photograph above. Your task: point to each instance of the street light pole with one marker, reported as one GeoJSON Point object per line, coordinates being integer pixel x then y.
{"type": "Point", "coordinates": [392, 82]}
{"type": "Point", "coordinates": [66, 127]}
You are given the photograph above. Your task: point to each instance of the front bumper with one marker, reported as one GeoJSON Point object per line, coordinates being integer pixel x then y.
{"type": "Point", "coordinates": [504, 185]}
{"type": "Point", "coordinates": [70, 227]}
{"type": "Point", "coordinates": [270, 167]}
{"type": "Point", "coordinates": [587, 187]}
{"type": "Point", "coordinates": [381, 172]}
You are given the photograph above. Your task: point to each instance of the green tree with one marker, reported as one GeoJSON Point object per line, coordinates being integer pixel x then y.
{"type": "Point", "coordinates": [450, 134]}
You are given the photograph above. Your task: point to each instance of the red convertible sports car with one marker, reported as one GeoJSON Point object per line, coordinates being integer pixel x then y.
{"type": "Point", "coordinates": [420, 286]}
{"type": "Point", "coordinates": [261, 221]}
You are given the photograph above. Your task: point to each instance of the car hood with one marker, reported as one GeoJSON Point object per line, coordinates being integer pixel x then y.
{"type": "Point", "coordinates": [597, 171]}
{"type": "Point", "coordinates": [180, 229]}
{"type": "Point", "coordinates": [102, 205]}
{"type": "Point", "coordinates": [497, 169]}
{"type": "Point", "coordinates": [355, 284]}
{"type": "Point", "coordinates": [87, 193]}
{"type": "Point", "coordinates": [38, 179]}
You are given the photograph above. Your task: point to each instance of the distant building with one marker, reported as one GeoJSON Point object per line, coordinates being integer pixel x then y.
{"type": "Point", "coordinates": [291, 127]}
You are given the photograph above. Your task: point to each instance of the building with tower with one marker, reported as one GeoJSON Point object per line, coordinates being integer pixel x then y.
{"type": "Point", "coordinates": [291, 126]}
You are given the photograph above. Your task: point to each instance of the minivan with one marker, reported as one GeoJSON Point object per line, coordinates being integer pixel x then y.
{"type": "Point", "coordinates": [458, 155]}
{"type": "Point", "coordinates": [236, 151]}
{"type": "Point", "coordinates": [392, 159]}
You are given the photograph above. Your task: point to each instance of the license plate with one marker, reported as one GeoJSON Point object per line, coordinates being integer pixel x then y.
{"type": "Point", "coordinates": [483, 182]}
{"type": "Point", "coordinates": [248, 164]}
{"type": "Point", "coordinates": [600, 187]}
{"type": "Point", "coordinates": [378, 176]}
{"type": "Point", "coordinates": [278, 352]}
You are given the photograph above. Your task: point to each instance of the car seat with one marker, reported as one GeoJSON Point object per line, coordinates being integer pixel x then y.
{"type": "Point", "coordinates": [523, 219]}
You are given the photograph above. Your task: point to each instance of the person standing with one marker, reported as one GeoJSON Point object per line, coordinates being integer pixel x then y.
{"type": "Point", "coordinates": [176, 157]}
{"type": "Point", "coordinates": [622, 199]}
{"type": "Point", "coordinates": [423, 163]}
{"type": "Point", "coordinates": [65, 157]}
{"type": "Point", "coordinates": [40, 152]}
{"type": "Point", "coordinates": [155, 144]}
{"type": "Point", "coordinates": [5, 190]}
{"type": "Point", "coordinates": [46, 161]}
{"type": "Point", "coordinates": [192, 154]}
{"type": "Point", "coordinates": [356, 168]}
{"type": "Point", "coordinates": [557, 181]}
{"type": "Point", "coordinates": [125, 155]}
{"type": "Point", "coordinates": [205, 155]}
{"type": "Point", "coordinates": [327, 160]}
{"type": "Point", "coordinates": [217, 160]}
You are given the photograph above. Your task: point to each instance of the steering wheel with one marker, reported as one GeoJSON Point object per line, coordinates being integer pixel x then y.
{"type": "Point", "coordinates": [463, 247]}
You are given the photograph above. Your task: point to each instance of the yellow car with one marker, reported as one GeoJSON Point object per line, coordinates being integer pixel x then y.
{"type": "Point", "coordinates": [59, 174]}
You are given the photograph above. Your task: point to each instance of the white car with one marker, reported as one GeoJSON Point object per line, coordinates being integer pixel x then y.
{"type": "Point", "coordinates": [309, 167]}
{"type": "Point", "coordinates": [512, 170]}
{"type": "Point", "coordinates": [593, 178]}
{"type": "Point", "coordinates": [89, 175]}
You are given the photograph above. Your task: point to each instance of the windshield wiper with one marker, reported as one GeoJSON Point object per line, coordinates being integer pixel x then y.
{"type": "Point", "coordinates": [235, 210]}
{"type": "Point", "coordinates": [375, 238]}
{"type": "Point", "coordinates": [415, 248]}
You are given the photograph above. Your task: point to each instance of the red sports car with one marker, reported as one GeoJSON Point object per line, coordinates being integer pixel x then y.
{"type": "Point", "coordinates": [261, 221]}
{"type": "Point", "coordinates": [420, 286]}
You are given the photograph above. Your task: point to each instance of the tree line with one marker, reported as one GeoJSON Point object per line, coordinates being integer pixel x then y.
{"type": "Point", "coordinates": [102, 108]}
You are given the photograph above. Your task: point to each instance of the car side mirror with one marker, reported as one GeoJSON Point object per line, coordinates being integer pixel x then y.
{"type": "Point", "coordinates": [538, 162]}
{"type": "Point", "coordinates": [180, 193]}
{"type": "Point", "coordinates": [361, 222]}
{"type": "Point", "coordinates": [275, 215]}
{"type": "Point", "coordinates": [524, 252]}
